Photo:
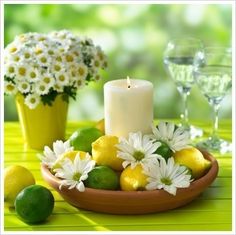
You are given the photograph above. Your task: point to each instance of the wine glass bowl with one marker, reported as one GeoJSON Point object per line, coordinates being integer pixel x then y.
{"type": "Point", "coordinates": [178, 60]}
{"type": "Point", "coordinates": [213, 75]}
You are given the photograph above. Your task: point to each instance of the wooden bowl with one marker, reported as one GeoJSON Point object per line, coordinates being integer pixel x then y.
{"type": "Point", "coordinates": [137, 202]}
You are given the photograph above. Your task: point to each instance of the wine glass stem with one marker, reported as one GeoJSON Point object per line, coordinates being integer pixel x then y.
{"type": "Point", "coordinates": [185, 114]}
{"type": "Point", "coordinates": [216, 119]}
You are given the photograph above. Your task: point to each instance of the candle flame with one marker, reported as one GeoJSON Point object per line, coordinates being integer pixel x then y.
{"type": "Point", "coordinates": [128, 82]}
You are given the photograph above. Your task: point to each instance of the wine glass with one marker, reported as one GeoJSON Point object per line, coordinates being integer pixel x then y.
{"type": "Point", "coordinates": [178, 60]}
{"type": "Point", "coordinates": [213, 75]}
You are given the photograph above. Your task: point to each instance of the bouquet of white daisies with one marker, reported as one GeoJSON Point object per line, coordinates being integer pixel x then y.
{"type": "Point", "coordinates": [42, 66]}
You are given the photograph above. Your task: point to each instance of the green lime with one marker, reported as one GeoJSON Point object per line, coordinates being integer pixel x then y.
{"type": "Point", "coordinates": [83, 138]}
{"type": "Point", "coordinates": [34, 204]}
{"type": "Point", "coordinates": [164, 150]}
{"type": "Point", "coordinates": [102, 177]}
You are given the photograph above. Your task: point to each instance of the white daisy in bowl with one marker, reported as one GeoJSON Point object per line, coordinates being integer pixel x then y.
{"type": "Point", "coordinates": [167, 176]}
{"type": "Point", "coordinates": [175, 137]}
{"type": "Point", "coordinates": [50, 155]}
{"type": "Point", "coordinates": [137, 149]}
{"type": "Point", "coordinates": [74, 173]}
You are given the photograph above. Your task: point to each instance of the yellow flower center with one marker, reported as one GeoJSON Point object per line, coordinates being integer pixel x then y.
{"type": "Point", "coordinates": [62, 78]}
{"type": "Point", "coordinates": [76, 176]}
{"type": "Point", "coordinates": [138, 155]}
{"type": "Point", "coordinates": [10, 87]}
{"type": "Point", "coordinates": [27, 55]}
{"type": "Point", "coordinates": [81, 71]}
{"type": "Point", "coordinates": [69, 58]}
{"type": "Point", "coordinates": [57, 67]}
{"type": "Point", "coordinates": [38, 51]}
{"type": "Point", "coordinates": [32, 74]}
{"type": "Point", "coordinates": [47, 80]}
{"type": "Point", "coordinates": [166, 181]}
{"type": "Point", "coordinates": [79, 83]}
{"type": "Point", "coordinates": [13, 49]}
{"type": "Point", "coordinates": [11, 69]}
{"type": "Point", "coordinates": [24, 86]}
{"type": "Point", "coordinates": [58, 58]}
{"type": "Point", "coordinates": [43, 59]}
{"type": "Point", "coordinates": [22, 71]}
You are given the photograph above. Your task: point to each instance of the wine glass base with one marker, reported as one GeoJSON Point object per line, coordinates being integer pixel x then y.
{"type": "Point", "coordinates": [194, 132]}
{"type": "Point", "coordinates": [215, 145]}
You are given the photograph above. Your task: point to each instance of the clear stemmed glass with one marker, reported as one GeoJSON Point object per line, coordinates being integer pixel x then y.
{"type": "Point", "coordinates": [178, 59]}
{"type": "Point", "coordinates": [213, 75]}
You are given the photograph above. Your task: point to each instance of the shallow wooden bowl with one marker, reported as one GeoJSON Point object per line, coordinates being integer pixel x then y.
{"type": "Point", "coordinates": [137, 202]}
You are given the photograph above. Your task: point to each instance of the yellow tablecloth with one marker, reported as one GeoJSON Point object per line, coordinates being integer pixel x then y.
{"type": "Point", "coordinates": [212, 210]}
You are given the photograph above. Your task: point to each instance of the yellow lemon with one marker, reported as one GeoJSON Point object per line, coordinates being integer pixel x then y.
{"type": "Point", "coordinates": [100, 125]}
{"type": "Point", "coordinates": [133, 179]}
{"type": "Point", "coordinates": [71, 155]}
{"type": "Point", "coordinates": [104, 152]}
{"type": "Point", "coordinates": [16, 178]}
{"type": "Point", "coordinates": [193, 159]}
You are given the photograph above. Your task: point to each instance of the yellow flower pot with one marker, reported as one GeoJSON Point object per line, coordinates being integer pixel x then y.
{"type": "Point", "coordinates": [44, 124]}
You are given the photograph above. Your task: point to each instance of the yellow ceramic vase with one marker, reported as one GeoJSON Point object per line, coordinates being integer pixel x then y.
{"type": "Point", "coordinates": [44, 124]}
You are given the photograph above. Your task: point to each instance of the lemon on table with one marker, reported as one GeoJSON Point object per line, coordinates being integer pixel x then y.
{"type": "Point", "coordinates": [16, 178]}
{"type": "Point", "coordinates": [82, 138]}
{"type": "Point", "coordinates": [133, 179]}
{"type": "Point", "coordinates": [194, 160]}
{"type": "Point", "coordinates": [71, 155]}
{"type": "Point", "coordinates": [34, 204]}
{"type": "Point", "coordinates": [102, 177]}
{"type": "Point", "coordinates": [100, 125]}
{"type": "Point", "coordinates": [104, 152]}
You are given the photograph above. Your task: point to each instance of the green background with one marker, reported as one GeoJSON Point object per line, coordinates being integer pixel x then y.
{"type": "Point", "coordinates": [134, 38]}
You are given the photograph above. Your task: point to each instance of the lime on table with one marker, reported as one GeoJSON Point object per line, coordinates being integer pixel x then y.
{"type": "Point", "coordinates": [102, 177]}
{"type": "Point", "coordinates": [83, 138]}
{"type": "Point", "coordinates": [16, 178]}
{"type": "Point", "coordinates": [34, 204]}
{"type": "Point", "coordinates": [194, 160]}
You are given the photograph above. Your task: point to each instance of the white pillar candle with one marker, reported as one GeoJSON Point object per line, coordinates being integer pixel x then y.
{"type": "Point", "coordinates": [128, 107]}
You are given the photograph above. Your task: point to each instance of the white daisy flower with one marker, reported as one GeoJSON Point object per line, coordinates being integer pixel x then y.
{"type": "Point", "coordinates": [82, 70]}
{"type": "Point", "coordinates": [50, 155]}
{"type": "Point", "coordinates": [62, 78]}
{"type": "Point", "coordinates": [167, 176]}
{"type": "Point", "coordinates": [26, 54]}
{"type": "Point", "coordinates": [69, 58]}
{"type": "Point", "coordinates": [43, 59]}
{"type": "Point", "coordinates": [96, 62]}
{"type": "Point", "coordinates": [79, 83]}
{"type": "Point", "coordinates": [58, 87]}
{"type": "Point", "coordinates": [9, 88]}
{"type": "Point", "coordinates": [10, 70]}
{"type": "Point", "coordinates": [74, 173]}
{"type": "Point", "coordinates": [32, 100]}
{"type": "Point", "coordinates": [57, 67]}
{"type": "Point", "coordinates": [33, 75]}
{"type": "Point", "coordinates": [175, 138]}
{"type": "Point", "coordinates": [23, 87]}
{"type": "Point", "coordinates": [137, 149]}
{"type": "Point", "coordinates": [48, 79]}
{"type": "Point", "coordinates": [42, 88]}
{"type": "Point", "coordinates": [16, 58]}
{"type": "Point", "coordinates": [12, 48]}
{"type": "Point", "coordinates": [21, 71]}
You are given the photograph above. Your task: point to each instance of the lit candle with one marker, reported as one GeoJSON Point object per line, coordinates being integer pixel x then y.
{"type": "Point", "coordinates": [128, 106]}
